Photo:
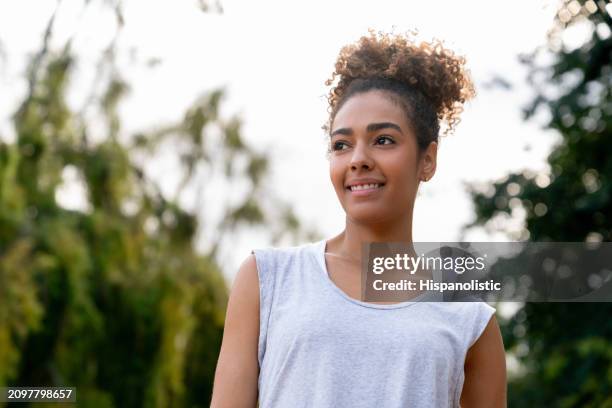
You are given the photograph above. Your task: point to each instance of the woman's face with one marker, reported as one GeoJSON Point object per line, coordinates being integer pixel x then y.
{"type": "Point", "coordinates": [374, 163]}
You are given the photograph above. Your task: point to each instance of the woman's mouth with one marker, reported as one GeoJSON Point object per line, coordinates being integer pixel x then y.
{"type": "Point", "coordinates": [365, 189]}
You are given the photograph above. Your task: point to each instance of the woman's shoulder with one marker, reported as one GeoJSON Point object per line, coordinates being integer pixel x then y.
{"type": "Point", "coordinates": [274, 256]}
{"type": "Point", "coordinates": [468, 318]}
{"type": "Point", "coordinates": [286, 249]}
{"type": "Point", "coordinates": [466, 310]}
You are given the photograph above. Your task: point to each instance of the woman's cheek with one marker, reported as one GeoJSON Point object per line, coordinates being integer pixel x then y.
{"type": "Point", "coordinates": [336, 173]}
{"type": "Point", "coordinates": [337, 183]}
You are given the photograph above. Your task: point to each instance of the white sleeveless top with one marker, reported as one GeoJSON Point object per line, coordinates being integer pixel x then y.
{"type": "Point", "coordinates": [318, 347]}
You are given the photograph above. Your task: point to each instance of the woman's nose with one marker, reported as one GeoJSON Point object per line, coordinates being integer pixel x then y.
{"type": "Point", "coordinates": [361, 159]}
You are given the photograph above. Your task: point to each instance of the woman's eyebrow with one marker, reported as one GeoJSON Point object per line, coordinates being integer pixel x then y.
{"type": "Point", "coordinates": [372, 127]}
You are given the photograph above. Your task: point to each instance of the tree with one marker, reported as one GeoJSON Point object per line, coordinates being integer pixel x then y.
{"type": "Point", "coordinates": [564, 347]}
{"type": "Point", "coordinates": [113, 298]}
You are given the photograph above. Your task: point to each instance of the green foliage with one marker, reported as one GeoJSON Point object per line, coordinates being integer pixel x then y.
{"type": "Point", "coordinates": [95, 299]}
{"type": "Point", "coordinates": [565, 348]}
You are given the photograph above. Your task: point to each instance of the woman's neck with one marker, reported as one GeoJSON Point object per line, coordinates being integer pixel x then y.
{"type": "Point", "coordinates": [349, 242]}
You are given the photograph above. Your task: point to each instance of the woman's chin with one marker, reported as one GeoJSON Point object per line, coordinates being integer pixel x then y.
{"type": "Point", "coordinates": [369, 215]}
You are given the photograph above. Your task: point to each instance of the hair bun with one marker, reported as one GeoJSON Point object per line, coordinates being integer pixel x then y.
{"type": "Point", "coordinates": [428, 67]}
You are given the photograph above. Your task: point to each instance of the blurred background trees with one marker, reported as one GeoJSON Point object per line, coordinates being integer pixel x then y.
{"type": "Point", "coordinates": [565, 348]}
{"type": "Point", "coordinates": [113, 298]}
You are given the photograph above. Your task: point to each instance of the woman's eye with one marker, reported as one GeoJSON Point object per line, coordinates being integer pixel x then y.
{"type": "Point", "coordinates": [338, 146]}
{"type": "Point", "coordinates": [384, 139]}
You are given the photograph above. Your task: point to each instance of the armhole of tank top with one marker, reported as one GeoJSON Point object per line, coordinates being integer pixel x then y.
{"type": "Point", "coordinates": [266, 287]}
{"type": "Point", "coordinates": [483, 313]}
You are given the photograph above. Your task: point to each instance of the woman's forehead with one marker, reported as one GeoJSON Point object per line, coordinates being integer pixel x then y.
{"type": "Point", "coordinates": [363, 109]}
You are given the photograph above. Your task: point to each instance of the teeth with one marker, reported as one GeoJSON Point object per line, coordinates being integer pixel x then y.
{"type": "Point", "coordinates": [364, 187]}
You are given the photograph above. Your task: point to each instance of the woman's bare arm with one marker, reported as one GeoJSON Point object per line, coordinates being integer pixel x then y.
{"type": "Point", "coordinates": [237, 370]}
{"type": "Point", "coordinates": [485, 371]}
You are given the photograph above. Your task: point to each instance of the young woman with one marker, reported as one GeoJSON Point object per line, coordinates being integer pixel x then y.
{"type": "Point", "coordinates": [296, 332]}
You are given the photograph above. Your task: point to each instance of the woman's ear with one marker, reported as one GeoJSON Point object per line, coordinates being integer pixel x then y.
{"type": "Point", "coordinates": [428, 162]}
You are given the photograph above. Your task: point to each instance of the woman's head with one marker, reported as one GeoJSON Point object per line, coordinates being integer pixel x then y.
{"type": "Point", "coordinates": [412, 88]}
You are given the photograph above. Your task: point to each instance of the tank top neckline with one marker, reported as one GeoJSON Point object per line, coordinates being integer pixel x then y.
{"type": "Point", "coordinates": [320, 255]}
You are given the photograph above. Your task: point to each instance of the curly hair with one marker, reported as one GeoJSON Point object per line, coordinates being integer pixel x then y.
{"type": "Point", "coordinates": [430, 82]}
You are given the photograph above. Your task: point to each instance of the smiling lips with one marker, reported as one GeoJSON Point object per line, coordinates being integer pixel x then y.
{"type": "Point", "coordinates": [364, 188]}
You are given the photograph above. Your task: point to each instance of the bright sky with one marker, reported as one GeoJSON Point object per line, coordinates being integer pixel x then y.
{"type": "Point", "coordinates": [274, 57]}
